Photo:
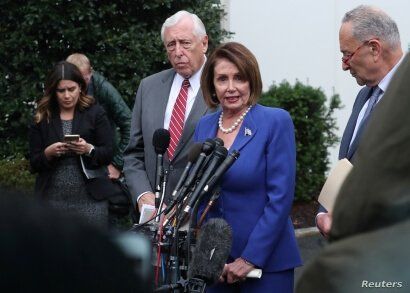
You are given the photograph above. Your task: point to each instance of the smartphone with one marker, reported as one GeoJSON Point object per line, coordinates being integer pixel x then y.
{"type": "Point", "coordinates": [71, 137]}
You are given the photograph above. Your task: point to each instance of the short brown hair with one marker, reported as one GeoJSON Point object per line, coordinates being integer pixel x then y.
{"type": "Point", "coordinates": [247, 65]}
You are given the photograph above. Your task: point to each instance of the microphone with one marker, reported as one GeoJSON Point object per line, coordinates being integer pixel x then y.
{"type": "Point", "coordinates": [207, 148]}
{"type": "Point", "coordinates": [226, 164]}
{"type": "Point", "coordinates": [218, 142]}
{"type": "Point", "coordinates": [210, 254]}
{"type": "Point", "coordinates": [160, 141]}
{"type": "Point", "coordinates": [193, 155]}
{"type": "Point", "coordinates": [219, 154]}
{"type": "Point", "coordinates": [214, 180]}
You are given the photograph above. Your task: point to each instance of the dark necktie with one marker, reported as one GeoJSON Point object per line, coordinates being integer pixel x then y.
{"type": "Point", "coordinates": [370, 106]}
{"type": "Point", "coordinates": [176, 124]}
{"type": "Point", "coordinates": [372, 102]}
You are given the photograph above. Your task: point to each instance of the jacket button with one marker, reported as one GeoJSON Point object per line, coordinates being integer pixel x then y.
{"type": "Point", "coordinates": [171, 167]}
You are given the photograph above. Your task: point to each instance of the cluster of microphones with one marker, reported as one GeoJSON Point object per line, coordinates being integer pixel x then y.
{"type": "Point", "coordinates": [207, 163]}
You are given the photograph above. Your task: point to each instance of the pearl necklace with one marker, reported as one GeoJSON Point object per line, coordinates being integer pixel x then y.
{"type": "Point", "coordinates": [237, 122]}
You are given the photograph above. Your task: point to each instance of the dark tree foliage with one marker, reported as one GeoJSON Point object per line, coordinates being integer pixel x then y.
{"type": "Point", "coordinates": [121, 38]}
{"type": "Point", "coordinates": [315, 128]}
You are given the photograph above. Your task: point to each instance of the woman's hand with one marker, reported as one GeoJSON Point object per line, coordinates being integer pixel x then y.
{"type": "Point", "coordinates": [80, 147]}
{"type": "Point", "coordinates": [236, 271]}
{"type": "Point", "coordinates": [55, 150]}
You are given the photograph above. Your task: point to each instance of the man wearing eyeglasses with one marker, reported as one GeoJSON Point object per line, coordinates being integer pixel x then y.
{"type": "Point", "coordinates": [370, 43]}
{"type": "Point", "coordinates": [159, 97]}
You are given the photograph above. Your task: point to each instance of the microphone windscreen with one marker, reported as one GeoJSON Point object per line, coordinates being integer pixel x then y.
{"type": "Point", "coordinates": [194, 152]}
{"type": "Point", "coordinates": [218, 141]}
{"type": "Point", "coordinates": [160, 140]}
{"type": "Point", "coordinates": [211, 251]}
{"type": "Point", "coordinates": [208, 146]}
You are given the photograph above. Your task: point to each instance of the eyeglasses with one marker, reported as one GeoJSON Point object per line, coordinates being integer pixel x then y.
{"type": "Point", "coordinates": [347, 58]}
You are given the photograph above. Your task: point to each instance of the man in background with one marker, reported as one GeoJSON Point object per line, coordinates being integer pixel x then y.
{"type": "Point", "coordinates": [117, 110]}
{"type": "Point", "coordinates": [370, 43]}
{"type": "Point", "coordinates": [170, 99]}
{"type": "Point", "coordinates": [369, 239]}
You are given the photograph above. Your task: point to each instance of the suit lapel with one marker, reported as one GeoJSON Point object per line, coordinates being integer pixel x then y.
{"type": "Point", "coordinates": [351, 124]}
{"type": "Point", "coordinates": [57, 126]}
{"type": "Point", "coordinates": [161, 99]}
{"type": "Point", "coordinates": [77, 121]}
{"type": "Point", "coordinates": [246, 133]}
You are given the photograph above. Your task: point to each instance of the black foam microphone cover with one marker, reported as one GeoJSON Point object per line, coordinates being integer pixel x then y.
{"type": "Point", "coordinates": [160, 140]}
{"type": "Point", "coordinates": [218, 141]}
{"type": "Point", "coordinates": [194, 152]}
{"type": "Point", "coordinates": [211, 251]}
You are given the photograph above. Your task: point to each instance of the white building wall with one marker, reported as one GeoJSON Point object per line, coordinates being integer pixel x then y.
{"type": "Point", "coordinates": [298, 40]}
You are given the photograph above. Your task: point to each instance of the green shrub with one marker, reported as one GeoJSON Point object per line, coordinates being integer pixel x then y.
{"type": "Point", "coordinates": [314, 131]}
{"type": "Point", "coordinates": [14, 173]}
{"type": "Point", "coordinates": [121, 38]}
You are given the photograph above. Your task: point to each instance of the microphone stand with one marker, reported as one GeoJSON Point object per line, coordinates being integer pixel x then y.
{"type": "Point", "coordinates": [158, 184]}
{"type": "Point", "coordinates": [162, 189]}
{"type": "Point", "coordinates": [211, 202]}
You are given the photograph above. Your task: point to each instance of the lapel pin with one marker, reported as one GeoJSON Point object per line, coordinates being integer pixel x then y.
{"type": "Point", "coordinates": [248, 132]}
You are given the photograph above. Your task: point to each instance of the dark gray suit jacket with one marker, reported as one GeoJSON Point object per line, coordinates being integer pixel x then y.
{"type": "Point", "coordinates": [147, 116]}
{"type": "Point", "coordinates": [371, 220]}
{"type": "Point", "coordinates": [344, 151]}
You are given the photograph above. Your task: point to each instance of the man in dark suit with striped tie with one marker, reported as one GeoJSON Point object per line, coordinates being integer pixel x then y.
{"type": "Point", "coordinates": [370, 43]}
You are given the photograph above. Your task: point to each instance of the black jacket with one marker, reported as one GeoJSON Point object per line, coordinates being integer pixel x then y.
{"type": "Point", "coordinates": [91, 124]}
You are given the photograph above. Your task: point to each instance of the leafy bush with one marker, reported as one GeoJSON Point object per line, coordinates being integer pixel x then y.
{"type": "Point", "coordinates": [14, 174]}
{"type": "Point", "coordinates": [314, 131]}
{"type": "Point", "coordinates": [121, 38]}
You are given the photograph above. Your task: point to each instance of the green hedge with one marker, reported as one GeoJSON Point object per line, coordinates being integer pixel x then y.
{"type": "Point", "coordinates": [315, 128]}
{"type": "Point", "coordinates": [14, 173]}
{"type": "Point", "coordinates": [122, 39]}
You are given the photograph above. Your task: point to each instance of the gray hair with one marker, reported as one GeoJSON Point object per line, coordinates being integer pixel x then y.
{"type": "Point", "coordinates": [199, 28]}
{"type": "Point", "coordinates": [371, 22]}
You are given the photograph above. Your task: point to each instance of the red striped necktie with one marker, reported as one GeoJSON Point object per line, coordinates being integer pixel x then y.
{"type": "Point", "coordinates": [176, 124]}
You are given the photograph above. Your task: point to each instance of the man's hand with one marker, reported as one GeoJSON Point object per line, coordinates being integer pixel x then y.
{"type": "Point", "coordinates": [148, 198]}
{"type": "Point", "coordinates": [324, 223]}
{"type": "Point", "coordinates": [113, 173]}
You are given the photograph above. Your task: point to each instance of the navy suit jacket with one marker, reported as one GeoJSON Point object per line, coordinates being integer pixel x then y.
{"type": "Point", "coordinates": [258, 190]}
{"type": "Point", "coordinates": [344, 151]}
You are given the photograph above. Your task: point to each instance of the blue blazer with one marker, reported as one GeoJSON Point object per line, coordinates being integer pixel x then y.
{"type": "Point", "coordinates": [257, 191]}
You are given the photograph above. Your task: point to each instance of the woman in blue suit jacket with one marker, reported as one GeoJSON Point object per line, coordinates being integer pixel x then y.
{"type": "Point", "coordinates": [257, 191]}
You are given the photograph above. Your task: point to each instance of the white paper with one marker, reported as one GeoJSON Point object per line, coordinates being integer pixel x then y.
{"type": "Point", "coordinates": [255, 274]}
{"type": "Point", "coordinates": [147, 211]}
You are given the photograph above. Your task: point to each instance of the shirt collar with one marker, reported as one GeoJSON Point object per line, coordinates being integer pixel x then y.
{"type": "Point", "coordinates": [194, 80]}
{"type": "Point", "coordinates": [384, 83]}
